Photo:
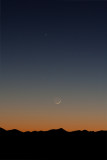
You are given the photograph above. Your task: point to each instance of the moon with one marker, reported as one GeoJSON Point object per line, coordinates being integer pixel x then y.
{"type": "Point", "coordinates": [58, 100]}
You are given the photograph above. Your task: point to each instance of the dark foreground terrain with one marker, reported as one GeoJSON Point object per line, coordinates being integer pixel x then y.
{"type": "Point", "coordinates": [53, 144]}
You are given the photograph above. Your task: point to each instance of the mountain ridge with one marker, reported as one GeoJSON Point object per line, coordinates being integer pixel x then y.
{"type": "Point", "coordinates": [53, 144]}
{"type": "Point", "coordinates": [59, 130]}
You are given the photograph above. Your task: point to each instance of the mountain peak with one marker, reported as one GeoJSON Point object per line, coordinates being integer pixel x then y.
{"type": "Point", "coordinates": [61, 129]}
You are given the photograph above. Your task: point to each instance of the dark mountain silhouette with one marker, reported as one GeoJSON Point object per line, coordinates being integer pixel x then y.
{"type": "Point", "coordinates": [2, 131]}
{"type": "Point", "coordinates": [53, 144]}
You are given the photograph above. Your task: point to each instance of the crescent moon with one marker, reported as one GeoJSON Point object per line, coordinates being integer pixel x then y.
{"type": "Point", "coordinates": [58, 102]}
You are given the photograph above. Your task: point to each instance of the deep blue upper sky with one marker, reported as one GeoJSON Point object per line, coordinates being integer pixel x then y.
{"type": "Point", "coordinates": [54, 36]}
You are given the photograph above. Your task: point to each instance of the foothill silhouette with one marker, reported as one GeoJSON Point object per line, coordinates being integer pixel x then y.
{"type": "Point", "coordinates": [53, 144]}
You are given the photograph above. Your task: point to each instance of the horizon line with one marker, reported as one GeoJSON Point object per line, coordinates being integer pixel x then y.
{"type": "Point", "coordinates": [51, 130]}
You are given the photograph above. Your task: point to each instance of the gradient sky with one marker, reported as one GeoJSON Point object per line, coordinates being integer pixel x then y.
{"type": "Point", "coordinates": [53, 49]}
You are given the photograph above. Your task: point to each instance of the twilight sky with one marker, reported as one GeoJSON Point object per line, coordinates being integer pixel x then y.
{"type": "Point", "coordinates": [53, 50]}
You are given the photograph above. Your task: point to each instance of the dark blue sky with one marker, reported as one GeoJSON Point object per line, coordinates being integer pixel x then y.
{"type": "Point", "coordinates": [54, 49]}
